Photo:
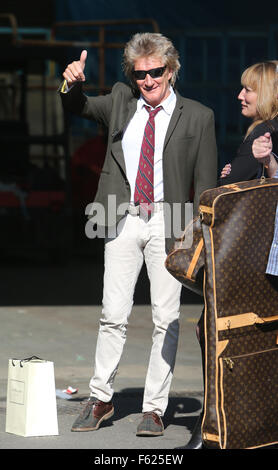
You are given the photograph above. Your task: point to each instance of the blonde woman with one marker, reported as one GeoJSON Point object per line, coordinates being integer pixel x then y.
{"type": "Point", "coordinates": [260, 104]}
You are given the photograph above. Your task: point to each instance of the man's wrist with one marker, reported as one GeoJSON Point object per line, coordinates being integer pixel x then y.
{"type": "Point", "coordinates": [65, 87]}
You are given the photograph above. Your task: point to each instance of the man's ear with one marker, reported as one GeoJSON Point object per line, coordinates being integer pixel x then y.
{"type": "Point", "coordinates": [170, 75]}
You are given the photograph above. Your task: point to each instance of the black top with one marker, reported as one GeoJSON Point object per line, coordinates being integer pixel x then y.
{"type": "Point", "coordinates": [245, 166]}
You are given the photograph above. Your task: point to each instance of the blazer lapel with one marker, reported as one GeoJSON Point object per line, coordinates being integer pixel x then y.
{"type": "Point", "coordinates": [174, 119]}
{"type": "Point", "coordinates": [117, 134]}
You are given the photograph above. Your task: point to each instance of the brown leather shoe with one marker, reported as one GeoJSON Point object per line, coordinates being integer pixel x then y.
{"type": "Point", "coordinates": [151, 425]}
{"type": "Point", "coordinates": [92, 415]}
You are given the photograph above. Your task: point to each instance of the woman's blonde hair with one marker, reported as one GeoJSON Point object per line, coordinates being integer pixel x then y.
{"type": "Point", "coordinates": [263, 79]}
{"type": "Point", "coordinates": [150, 44]}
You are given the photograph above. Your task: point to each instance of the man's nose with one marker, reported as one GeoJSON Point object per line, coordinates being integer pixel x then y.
{"type": "Point", "coordinates": [148, 80]}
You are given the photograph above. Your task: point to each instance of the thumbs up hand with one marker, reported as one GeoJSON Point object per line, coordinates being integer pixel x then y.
{"type": "Point", "coordinates": [75, 71]}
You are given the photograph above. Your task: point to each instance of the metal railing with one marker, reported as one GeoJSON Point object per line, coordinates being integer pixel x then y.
{"type": "Point", "coordinates": [212, 60]}
{"type": "Point", "coordinates": [81, 29]}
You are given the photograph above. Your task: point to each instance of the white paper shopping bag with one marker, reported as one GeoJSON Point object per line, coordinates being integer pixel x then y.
{"type": "Point", "coordinates": [31, 398]}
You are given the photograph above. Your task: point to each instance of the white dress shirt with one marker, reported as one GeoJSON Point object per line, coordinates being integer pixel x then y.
{"type": "Point", "coordinates": [133, 137]}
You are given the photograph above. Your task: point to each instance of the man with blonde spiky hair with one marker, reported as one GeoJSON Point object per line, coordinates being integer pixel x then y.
{"type": "Point", "coordinates": [159, 143]}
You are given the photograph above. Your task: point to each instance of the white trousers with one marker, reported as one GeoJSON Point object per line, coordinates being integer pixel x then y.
{"type": "Point", "coordinates": [138, 240]}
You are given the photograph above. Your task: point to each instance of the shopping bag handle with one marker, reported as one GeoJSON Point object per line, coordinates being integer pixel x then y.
{"type": "Point", "coordinates": [27, 359]}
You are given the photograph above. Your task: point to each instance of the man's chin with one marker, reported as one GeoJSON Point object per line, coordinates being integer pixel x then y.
{"type": "Point", "coordinates": [151, 97]}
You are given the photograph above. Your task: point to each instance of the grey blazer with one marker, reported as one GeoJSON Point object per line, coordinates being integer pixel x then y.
{"type": "Point", "coordinates": [189, 155]}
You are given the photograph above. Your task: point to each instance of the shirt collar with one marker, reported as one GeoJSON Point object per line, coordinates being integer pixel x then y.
{"type": "Point", "coordinates": [168, 104]}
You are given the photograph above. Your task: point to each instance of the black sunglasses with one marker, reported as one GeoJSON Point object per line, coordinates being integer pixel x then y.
{"type": "Point", "coordinates": [154, 73]}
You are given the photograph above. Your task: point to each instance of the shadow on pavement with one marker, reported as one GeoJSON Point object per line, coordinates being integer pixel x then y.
{"type": "Point", "coordinates": [129, 402]}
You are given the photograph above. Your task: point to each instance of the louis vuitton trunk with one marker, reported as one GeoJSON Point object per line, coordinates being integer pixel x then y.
{"type": "Point", "coordinates": [241, 316]}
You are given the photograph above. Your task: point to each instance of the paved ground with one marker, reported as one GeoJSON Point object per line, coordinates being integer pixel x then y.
{"type": "Point", "coordinates": [53, 312]}
{"type": "Point", "coordinates": [66, 335]}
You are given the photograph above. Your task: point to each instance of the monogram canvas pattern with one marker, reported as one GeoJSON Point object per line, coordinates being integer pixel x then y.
{"type": "Point", "coordinates": [241, 396]}
{"type": "Point", "coordinates": [186, 264]}
{"type": "Point", "coordinates": [247, 386]}
{"type": "Point", "coordinates": [241, 373]}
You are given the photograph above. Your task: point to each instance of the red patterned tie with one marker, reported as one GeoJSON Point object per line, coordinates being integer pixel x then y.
{"type": "Point", "coordinates": [144, 193]}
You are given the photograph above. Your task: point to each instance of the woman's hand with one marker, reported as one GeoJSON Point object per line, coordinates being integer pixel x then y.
{"type": "Point", "coordinates": [262, 148]}
{"type": "Point", "coordinates": [226, 170]}
{"type": "Point", "coordinates": [262, 151]}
